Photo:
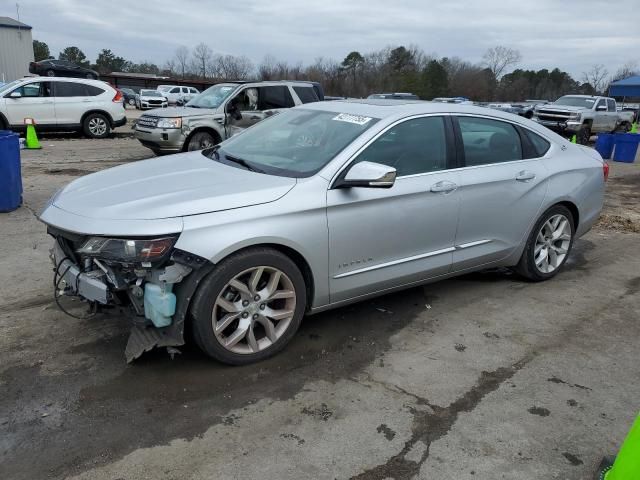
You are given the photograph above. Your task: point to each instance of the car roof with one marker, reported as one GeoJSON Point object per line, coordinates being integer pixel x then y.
{"type": "Point", "coordinates": [40, 78]}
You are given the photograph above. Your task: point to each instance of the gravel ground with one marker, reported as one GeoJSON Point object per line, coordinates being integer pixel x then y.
{"type": "Point", "coordinates": [480, 377]}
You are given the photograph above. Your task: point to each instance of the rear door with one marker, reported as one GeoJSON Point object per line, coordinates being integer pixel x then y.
{"type": "Point", "coordinates": [502, 186]}
{"type": "Point", "coordinates": [35, 102]}
{"type": "Point", "coordinates": [73, 99]}
{"type": "Point", "coordinates": [602, 117]}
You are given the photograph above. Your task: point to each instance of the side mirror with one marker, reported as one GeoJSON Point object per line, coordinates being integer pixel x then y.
{"type": "Point", "coordinates": [601, 108]}
{"type": "Point", "coordinates": [368, 175]}
{"type": "Point", "coordinates": [15, 94]}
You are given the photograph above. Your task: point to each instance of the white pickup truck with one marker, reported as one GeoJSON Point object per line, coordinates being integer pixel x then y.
{"type": "Point", "coordinates": [583, 115]}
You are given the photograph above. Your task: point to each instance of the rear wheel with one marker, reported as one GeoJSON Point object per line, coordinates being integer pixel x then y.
{"type": "Point", "coordinates": [200, 141]}
{"type": "Point", "coordinates": [50, 73]}
{"type": "Point", "coordinates": [91, 76]}
{"type": "Point", "coordinates": [249, 307]}
{"type": "Point", "coordinates": [132, 102]}
{"type": "Point", "coordinates": [96, 125]}
{"type": "Point", "coordinates": [548, 246]}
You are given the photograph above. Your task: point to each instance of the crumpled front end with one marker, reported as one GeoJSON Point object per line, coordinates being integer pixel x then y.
{"type": "Point", "coordinates": [146, 279]}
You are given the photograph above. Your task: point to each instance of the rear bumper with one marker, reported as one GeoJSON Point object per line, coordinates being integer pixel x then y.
{"type": "Point", "coordinates": [119, 123]}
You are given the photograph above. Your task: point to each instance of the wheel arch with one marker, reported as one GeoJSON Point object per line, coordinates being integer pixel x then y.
{"type": "Point", "coordinates": [4, 123]}
{"type": "Point", "coordinates": [96, 110]}
{"type": "Point", "coordinates": [203, 128]}
{"type": "Point", "coordinates": [573, 208]}
{"type": "Point", "coordinates": [286, 249]}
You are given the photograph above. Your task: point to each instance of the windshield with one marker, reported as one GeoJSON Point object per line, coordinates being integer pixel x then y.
{"type": "Point", "coordinates": [150, 93]}
{"type": "Point", "coordinates": [9, 86]}
{"type": "Point", "coordinates": [575, 101]}
{"type": "Point", "coordinates": [212, 97]}
{"type": "Point", "coordinates": [295, 143]}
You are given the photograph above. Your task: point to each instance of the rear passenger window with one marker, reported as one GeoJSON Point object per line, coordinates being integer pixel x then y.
{"type": "Point", "coordinates": [72, 89]}
{"type": "Point", "coordinates": [275, 97]}
{"type": "Point", "coordinates": [488, 141]}
{"type": "Point", "coordinates": [611, 105]}
{"type": "Point", "coordinates": [306, 94]}
{"type": "Point", "coordinates": [412, 147]}
{"type": "Point", "coordinates": [540, 145]}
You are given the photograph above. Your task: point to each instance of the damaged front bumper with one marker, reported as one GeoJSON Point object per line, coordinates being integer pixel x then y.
{"type": "Point", "coordinates": [156, 298]}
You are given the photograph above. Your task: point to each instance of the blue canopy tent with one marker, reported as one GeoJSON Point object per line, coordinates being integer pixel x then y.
{"type": "Point", "coordinates": [627, 87]}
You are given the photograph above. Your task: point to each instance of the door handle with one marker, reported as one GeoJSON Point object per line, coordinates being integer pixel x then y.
{"type": "Point", "coordinates": [525, 176]}
{"type": "Point", "coordinates": [443, 186]}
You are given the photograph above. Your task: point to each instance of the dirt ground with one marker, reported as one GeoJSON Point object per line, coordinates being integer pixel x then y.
{"type": "Point", "coordinates": [480, 377]}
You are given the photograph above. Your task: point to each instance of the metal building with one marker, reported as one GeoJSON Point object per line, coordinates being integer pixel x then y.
{"type": "Point", "coordinates": [16, 49]}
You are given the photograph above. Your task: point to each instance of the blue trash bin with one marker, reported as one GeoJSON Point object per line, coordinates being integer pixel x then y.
{"type": "Point", "coordinates": [10, 174]}
{"type": "Point", "coordinates": [604, 145]}
{"type": "Point", "coordinates": [626, 147]}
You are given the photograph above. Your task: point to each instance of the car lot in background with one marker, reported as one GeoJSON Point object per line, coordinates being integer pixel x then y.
{"type": "Point", "coordinates": [218, 113]}
{"type": "Point", "coordinates": [147, 99]}
{"type": "Point", "coordinates": [62, 104]}
{"type": "Point", "coordinates": [394, 96]}
{"type": "Point", "coordinates": [129, 96]}
{"type": "Point", "coordinates": [61, 68]}
{"type": "Point", "coordinates": [174, 93]}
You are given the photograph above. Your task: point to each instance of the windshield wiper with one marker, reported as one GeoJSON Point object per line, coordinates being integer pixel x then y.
{"type": "Point", "coordinates": [244, 163]}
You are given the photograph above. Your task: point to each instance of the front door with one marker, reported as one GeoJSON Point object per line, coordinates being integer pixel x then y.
{"type": "Point", "coordinates": [35, 101]}
{"type": "Point", "coordinates": [383, 238]}
{"type": "Point", "coordinates": [501, 190]}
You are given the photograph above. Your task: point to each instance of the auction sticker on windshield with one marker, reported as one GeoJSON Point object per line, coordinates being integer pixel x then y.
{"type": "Point", "coordinates": [357, 119]}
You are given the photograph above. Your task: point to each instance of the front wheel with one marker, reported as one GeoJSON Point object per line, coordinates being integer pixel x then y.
{"type": "Point", "coordinates": [200, 141]}
{"type": "Point", "coordinates": [132, 102]}
{"type": "Point", "coordinates": [50, 73]}
{"type": "Point", "coordinates": [96, 125]}
{"type": "Point", "coordinates": [249, 307]}
{"type": "Point", "coordinates": [584, 135]}
{"type": "Point", "coordinates": [548, 245]}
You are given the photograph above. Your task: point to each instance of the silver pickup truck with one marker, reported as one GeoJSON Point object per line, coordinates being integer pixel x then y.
{"type": "Point", "coordinates": [219, 112]}
{"type": "Point", "coordinates": [583, 115]}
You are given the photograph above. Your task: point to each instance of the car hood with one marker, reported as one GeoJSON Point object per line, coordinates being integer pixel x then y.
{"type": "Point", "coordinates": [172, 112]}
{"type": "Point", "coordinates": [167, 187]}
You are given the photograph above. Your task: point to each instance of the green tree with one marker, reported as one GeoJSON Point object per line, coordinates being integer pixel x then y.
{"type": "Point", "coordinates": [108, 62]}
{"type": "Point", "coordinates": [74, 55]}
{"type": "Point", "coordinates": [435, 80]}
{"type": "Point", "coordinates": [40, 50]}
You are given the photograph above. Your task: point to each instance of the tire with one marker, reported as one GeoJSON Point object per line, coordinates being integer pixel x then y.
{"type": "Point", "coordinates": [200, 141]}
{"type": "Point", "coordinates": [251, 334]}
{"type": "Point", "coordinates": [528, 266]}
{"type": "Point", "coordinates": [132, 102]}
{"type": "Point", "coordinates": [50, 73]}
{"type": "Point", "coordinates": [91, 76]}
{"type": "Point", "coordinates": [96, 125]}
{"type": "Point", "coordinates": [584, 134]}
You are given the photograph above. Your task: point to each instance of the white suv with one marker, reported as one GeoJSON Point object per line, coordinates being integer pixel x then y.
{"type": "Point", "coordinates": [173, 93]}
{"type": "Point", "coordinates": [61, 104]}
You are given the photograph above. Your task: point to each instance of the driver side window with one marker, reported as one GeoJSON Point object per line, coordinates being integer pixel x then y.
{"type": "Point", "coordinates": [412, 147]}
{"type": "Point", "coordinates": [246, 100]}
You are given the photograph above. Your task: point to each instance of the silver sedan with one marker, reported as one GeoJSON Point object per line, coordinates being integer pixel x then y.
{"type": "Point", "coordinates": [317, 207]}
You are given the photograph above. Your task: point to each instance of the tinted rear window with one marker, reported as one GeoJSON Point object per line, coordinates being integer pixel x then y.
{"type": "Point", "coordinates": [275, 97]}
{"type": "Point", "coordinates": [72, 89]}
{"type": "Point", "coordinates": [306, 94]}
{"type": "Point", "coordinates": [540, 145]}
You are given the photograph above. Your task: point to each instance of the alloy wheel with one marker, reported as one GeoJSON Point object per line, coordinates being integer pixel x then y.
{"type": "Point", "coordinates": [552, 243]}
{"type": "Point", "coordinates": [253, 310]}
{"type": "Point", "coordinates": [97, 126]}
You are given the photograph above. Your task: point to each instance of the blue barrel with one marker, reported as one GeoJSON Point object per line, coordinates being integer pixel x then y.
{"type": "Point", "coordinates": [10, 174]}
{"type": "Point", "coordinates": [604, 145]}
{"type": "Point", "coordinates": [626, 147]}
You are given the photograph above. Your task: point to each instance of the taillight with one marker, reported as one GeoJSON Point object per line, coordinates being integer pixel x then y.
{"type": "Point", "coordinates": [118, 97]}
{"type": "Point", "coordinates": [605, 170]}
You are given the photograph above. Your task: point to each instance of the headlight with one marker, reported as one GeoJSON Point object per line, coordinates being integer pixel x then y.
{"type": "Point", "coordinates": [127, 250]}
{"type": "Point", "coordinates": [169, 123]}
{"type": "Point", "coordinates": [574, 116]}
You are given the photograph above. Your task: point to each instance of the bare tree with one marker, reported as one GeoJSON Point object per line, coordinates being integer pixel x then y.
{"type": "Point", "coordinates": [629, 69]}
{"type": "Point", "coordinates": [499, 58]}
{"type": "Point", "coordinates": [170, 67]}
{"type": "Point", "coordinates": [182, 59]}
{"type": "Point", "coordinates": [267, 68]}
{"type": "Point", "coordinates": [596, 77]}
{"type": "Point", "coordinates": [202, 56]}
{"type": "Point", "coordinates": [231, 67]}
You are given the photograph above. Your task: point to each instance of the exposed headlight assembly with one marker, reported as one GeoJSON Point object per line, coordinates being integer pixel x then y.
{"type": "Point", "coordinates": [574, 115]}
{"type": "Point", "coordinates": [170, 123]}
{"type": "Point", "coordinates": [127, 250]}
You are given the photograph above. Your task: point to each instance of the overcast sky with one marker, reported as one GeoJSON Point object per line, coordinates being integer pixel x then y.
{"type": "Point", "coordinates": [569, 34]}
